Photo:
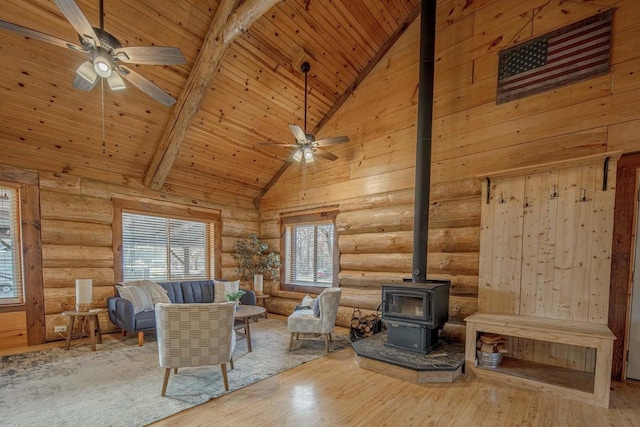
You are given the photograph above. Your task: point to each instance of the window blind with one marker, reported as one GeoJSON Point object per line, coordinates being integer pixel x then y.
{"type": "Point", "coordinates": [309, 254]}
{"type": "Point", "coordinates": [160, 248]}
{"type": "Point", "coordinates": [11, 287]}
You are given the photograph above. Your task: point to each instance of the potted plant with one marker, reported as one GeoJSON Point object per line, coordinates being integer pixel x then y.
{"type": "Point", "coordinates": [253, 260]}
{"type": "Point", "coordinates": [235, 296]}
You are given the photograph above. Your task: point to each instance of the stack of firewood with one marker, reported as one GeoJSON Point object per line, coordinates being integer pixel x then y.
{"type": "Point", "coordinates": [492, 343]}
{"type": "Point", "coordinates": [365, 326]}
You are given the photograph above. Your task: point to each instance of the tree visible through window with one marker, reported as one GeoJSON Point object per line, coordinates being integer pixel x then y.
{"type": "Point", "coordinates": [310, 253]}
{"type": "Point", "coordinates": [11, 289]}
{"type": "Point", "coordinates": [159, 248]}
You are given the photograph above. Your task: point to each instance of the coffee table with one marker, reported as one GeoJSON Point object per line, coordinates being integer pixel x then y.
{"type": "Point", "coordinates": [245, 313]}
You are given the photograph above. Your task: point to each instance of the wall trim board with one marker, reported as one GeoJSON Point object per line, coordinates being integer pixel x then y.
{"type": "Point", "coordinates": [626, 187]}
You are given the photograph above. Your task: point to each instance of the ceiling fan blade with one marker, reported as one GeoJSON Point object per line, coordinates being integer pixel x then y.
{"type": "Point", "coordinates": [146, 86]}
{"type": "Point", "coordinates": [298, 133]}
{"type": "Point", "coordinates": [33, 34]}
{"type": "Point", "coordinates": [78, 21]}
{"type": "Point", "coordinates": [276, 144]}
{"type": "Point", "coordinates": [150, 55]}
{"type": "Point", "coordinates": [325, 154]}
{"type": "Point", "coordinates": [331, 141]}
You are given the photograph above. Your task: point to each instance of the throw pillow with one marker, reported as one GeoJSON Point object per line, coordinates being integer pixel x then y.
{"type": "Point", "coordinates": [316, 307]}
{"type": "Point", "coordinates": [307, 301]}
{"type": "Point", "coordinates": [138, 297]}
{"type": "Point", "coordinates": [156, 292]}
{"type": "Point", "coordinates": [223, 287]}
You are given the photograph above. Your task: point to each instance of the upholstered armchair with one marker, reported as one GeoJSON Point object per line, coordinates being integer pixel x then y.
{"type": "Point", "coordinates": [192, 335]}
{"type": "Point", "coordinates": [306, 322]}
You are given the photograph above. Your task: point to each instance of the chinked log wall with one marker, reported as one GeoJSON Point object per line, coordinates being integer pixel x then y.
{"type": "Point", "coordinates": [375, 240]}
{"type": "Point", "coordinates": [77, 216]}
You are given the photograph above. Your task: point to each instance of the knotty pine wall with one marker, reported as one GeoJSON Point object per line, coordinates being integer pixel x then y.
{"type": "Point", "coordinates": [373, 180]}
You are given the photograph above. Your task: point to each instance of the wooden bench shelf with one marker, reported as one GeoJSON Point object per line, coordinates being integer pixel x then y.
{"type": "Point", "coordinates": [563, 382]}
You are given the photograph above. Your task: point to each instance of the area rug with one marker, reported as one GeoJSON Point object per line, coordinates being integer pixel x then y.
{"type": "Point", "coordinates": [119, 384]}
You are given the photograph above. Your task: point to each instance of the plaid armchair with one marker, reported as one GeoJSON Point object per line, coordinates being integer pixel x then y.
{"type": "Point", "coordinates": [306, 322]}
{"type": "Point", "coordinates": [192, 335]}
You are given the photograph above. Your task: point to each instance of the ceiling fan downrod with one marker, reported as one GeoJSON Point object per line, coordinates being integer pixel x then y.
{"type": "Point", "coordinates": [305, 67]}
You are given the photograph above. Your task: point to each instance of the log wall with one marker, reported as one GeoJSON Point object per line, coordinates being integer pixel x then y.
{"type": "Point", "coordinates": [373, 179]}
{"type": "Point", "coordinates": [77, 216]}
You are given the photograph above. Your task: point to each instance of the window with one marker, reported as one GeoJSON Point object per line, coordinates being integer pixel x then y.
{"type": "Point", "coordinates": [310, 251]}
{"type": "Point", "coordinates": [11, 289]}
{"type": "Point", "coordinates": [161, 248]}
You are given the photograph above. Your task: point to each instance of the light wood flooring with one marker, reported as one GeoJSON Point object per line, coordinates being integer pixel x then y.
{"type": "Point", "coordinates": [334, 391]}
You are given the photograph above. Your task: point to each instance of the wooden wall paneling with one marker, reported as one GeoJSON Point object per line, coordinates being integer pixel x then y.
{"type": "Point", "coordinates": [71, 207]}
{"type": "Point", "coordinates": [30, 214]}
{"type": "Point", "coordinates": [65, 277]}
{"type": "Point", "coordinates": [13, 329]}
{"type": "Point", "coordinates": [600, 272]}
{"type": "Point", "coordinates": [507, 242]}
{"type": "Point", "coordinates": [485, 272]}
{"type": "Point", "coordinates": [579, 144]}
{"type": "Point", "coordinates": [565, 230]}
{"type": "Point", "coordinates": [621, 256]}
{"type": "Point", "coordinates": [584, 224]}
{"type": "Point", "coordinates": [75, 233]}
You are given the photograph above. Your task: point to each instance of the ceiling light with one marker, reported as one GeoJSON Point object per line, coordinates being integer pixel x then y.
{"type": "Point", "coordinates": [116, 82]}
{"type": "Point", "coordinates": [297, 156]}
{"type": "Point", "coordinates": [102, 64]}
{"type": "Point", "coordinates": [308, 155]}
{"type": "Point", "coordinates": [87, 72]}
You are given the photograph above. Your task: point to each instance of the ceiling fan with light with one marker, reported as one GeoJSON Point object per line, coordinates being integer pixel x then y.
{"type": "Point", "coordinates": [306, 145]}
{"type": "Point", "coordinates": [106, 54]}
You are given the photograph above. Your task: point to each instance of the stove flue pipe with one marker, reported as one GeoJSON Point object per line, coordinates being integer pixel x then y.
{"type": "Point", "coordinates": [423, 147]}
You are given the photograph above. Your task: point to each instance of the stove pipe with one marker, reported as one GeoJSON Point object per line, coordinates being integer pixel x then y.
{"type": "Point", "coordinates": [423, 147]}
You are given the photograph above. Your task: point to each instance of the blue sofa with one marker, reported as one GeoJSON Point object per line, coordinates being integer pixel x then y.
{"type": "Point", "coordinates": [122, 315]}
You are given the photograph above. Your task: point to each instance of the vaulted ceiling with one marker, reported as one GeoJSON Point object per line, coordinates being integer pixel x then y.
{"type": "Point", "coordinates": [255, 92]}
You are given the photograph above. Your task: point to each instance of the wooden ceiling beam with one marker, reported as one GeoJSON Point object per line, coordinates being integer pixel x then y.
{"type": "Point", "coordinates": [352, 87]}
{"type": "Point", "coordinates": [225, 28]}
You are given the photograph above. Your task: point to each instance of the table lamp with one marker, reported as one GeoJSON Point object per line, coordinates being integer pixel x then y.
{"type": "Point", "coordinates": [84, 294]}
{"type": "Point", "coordinates": [257, 284]}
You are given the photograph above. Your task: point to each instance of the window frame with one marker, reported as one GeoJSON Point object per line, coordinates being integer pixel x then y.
{"type": "Point", "coordinates": [30, 222]}
{"type": "Point", "coordinates": [309, 219]}
{"type": "Point", "coordinates": [168, 211]}
{"type": "Point", "coordinates": [16, 226]}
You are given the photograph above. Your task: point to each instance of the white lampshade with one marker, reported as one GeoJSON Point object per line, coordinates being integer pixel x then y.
{"type": "Point", "coordinates": [257, 283]}
{"type": "Point", "coordinates": [84, 294]}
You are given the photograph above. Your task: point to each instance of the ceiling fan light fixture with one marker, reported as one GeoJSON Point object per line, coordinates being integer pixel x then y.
{"type": "Point", "coordinates": [102, 65]}
{"type": "Point", "coordinates": [116, 82]}
{"type": "Point", "coordinates": [87, 72]}
{"type": "Point", "coordinates": [297, 156]}
{"type": "Point", "coordinates": [308, 155]}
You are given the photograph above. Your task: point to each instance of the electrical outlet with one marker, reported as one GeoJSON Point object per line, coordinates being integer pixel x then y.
{"type": "Point", "coordinates": [59, 329]}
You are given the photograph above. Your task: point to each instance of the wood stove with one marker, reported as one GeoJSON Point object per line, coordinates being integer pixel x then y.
{"type": "Point", "coordinates": [414, 313]}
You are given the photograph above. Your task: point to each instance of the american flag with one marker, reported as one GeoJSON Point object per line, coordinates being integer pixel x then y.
{"type": "Point", "coordinates": [573, 53]}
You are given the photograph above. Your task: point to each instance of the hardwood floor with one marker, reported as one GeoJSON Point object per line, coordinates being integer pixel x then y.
{"type": "Point", "coordinates": [334, 391]}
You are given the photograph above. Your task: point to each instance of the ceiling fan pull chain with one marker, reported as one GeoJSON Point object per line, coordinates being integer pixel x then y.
{"type": "Point", "coordinates": [104, 144]}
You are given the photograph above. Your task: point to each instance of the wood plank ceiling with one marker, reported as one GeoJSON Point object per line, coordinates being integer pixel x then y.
{"type": "Point", "coordinates": [256, 92]}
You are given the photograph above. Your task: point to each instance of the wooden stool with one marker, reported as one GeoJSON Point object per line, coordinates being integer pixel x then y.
{"type": "Point", "coordinates": [94, 326]}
